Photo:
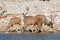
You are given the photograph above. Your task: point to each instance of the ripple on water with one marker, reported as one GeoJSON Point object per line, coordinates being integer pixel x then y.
{"type": "Point", "coordinates": [43, 36]}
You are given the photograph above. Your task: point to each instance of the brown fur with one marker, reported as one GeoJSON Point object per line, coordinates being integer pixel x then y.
{"type": "Point", "coordinates": [43, 19]}
{"type": "Point", "coordinates": [40, 22]}
{"type": "Point", "coordinates": [15, 20]}
{"type": "Point", "coordinates": [30, 20]}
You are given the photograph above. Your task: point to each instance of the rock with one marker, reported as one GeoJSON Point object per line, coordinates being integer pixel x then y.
{"type": "Point", "coordinates": [55, 31]}
{"type": "Point", "coordinates": [45, 28]}
{"type": "Point", "coordinates": [56, 27]}
{"type": "Point", "coordinates": [32, 28]}
{"type": "Point", "coordinates": [51, 30]}
{"type": "Point", "coordinates": [3, 29]}
{"type": "Point", "coordinates": [19, 32]}
{"type": "Point", "coordinates": [6, 32]}
{"type": "Point", "coordinates": [15, 28]}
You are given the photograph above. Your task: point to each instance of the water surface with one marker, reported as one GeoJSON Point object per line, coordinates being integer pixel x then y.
{"type": "Point", "coordinates": [41, 36]}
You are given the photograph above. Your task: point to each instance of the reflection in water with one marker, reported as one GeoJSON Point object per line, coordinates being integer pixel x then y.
{"type": "Point", "coordinates": [41, 36]}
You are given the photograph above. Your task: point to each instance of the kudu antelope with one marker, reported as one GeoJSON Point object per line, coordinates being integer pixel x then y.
{"type": "Point", "coordinates": [44, 20]}
{"type": "Point", "coordinates": [14, 20]}
{"type": "Point", "coordinates": [30, 20]}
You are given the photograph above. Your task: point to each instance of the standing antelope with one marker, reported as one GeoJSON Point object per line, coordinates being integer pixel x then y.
{"type": "Point", "coordinates": [15, 20]}
{"type": "Point", "coordinates": [44, 20]}
{"type": "Point", "coordinates": [30, 20]}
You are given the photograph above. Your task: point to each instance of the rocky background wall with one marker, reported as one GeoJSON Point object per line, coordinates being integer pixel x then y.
{"type": "Point", "coordinates": [36, 7]}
